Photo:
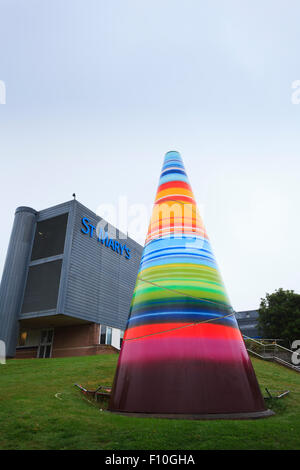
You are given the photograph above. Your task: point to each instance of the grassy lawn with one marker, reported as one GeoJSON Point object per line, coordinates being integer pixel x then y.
{"type": "Point", "coordinates": [32, 417]}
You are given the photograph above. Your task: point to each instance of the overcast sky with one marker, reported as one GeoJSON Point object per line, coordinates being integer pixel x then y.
{"type": "Point", "coordinates": [97, 91]}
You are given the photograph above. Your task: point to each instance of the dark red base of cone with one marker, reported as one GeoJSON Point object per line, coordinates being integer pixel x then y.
{"type": "Point", "coordinates": [188, 388]}
{"type": "Point", "coordinates": [253, 415]}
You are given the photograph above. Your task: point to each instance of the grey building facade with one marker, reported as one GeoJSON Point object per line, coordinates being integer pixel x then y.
{"type": "Point", "coordinates": [67, 283]}
{"type": "Point", "coordinates": [248, 323]}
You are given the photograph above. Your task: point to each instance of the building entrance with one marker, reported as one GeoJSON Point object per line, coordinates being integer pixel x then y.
{"type": "Point", "coordinates": [45, 346]}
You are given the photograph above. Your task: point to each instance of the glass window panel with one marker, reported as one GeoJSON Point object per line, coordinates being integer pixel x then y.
{"type": "Point", "coordinates": [108, 335]}
{"type": "Point", "coordinates": [121, 337]}
{"type": "Point", "coordinates": [22, 338]}
{"type": "Point", "coordinates": [50, 237]}
{"type": "Point", "coordinates": [49, 336]}
{"type": "Point", "coordinates": [48, 351]}
{"type": "Point", "coordinates": [41, 351]}
{"type": "Point", "coordinates": [42, 287]}
{"type": "Point", "coordinates": [103, 334]}
{"type": "Point", "coordinates": [43, 336]}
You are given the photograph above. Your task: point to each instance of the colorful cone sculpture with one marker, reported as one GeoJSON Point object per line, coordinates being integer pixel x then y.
{"type": "Point", "coordinates": [182, 352]}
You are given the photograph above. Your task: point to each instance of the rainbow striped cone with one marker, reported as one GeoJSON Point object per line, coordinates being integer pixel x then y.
{"type": "Point", "coordinates": [182, 354]}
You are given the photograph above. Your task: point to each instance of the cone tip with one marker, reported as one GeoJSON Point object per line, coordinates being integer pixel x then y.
{"type": "Point", "coordinates": [173, 151]}
{"type": "Point", "coordinates": [173, 154]}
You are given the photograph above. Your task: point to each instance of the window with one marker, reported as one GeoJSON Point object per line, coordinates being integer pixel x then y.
{"type": "Point", "coordinates": [105, 334]}
{"type": "Point", "coordinates": [49, 237]}
{"type": "Point", "coordinates": [121, 338]}
{"type": "Point", "coordinates": [108, 335]}
{"type": "Point", "coordinates": [102, 334]}
{"type": "Point", "coordinates": [42, 287]}
{"type": "Point", "coordinates": [29, 337]}
{"type": "Point", "coordinates": [22, 338]}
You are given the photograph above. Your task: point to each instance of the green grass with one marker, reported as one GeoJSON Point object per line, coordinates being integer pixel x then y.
{"type": "Point", "coordinates": [32, 417]}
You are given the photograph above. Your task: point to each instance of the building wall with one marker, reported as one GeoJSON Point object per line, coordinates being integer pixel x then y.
{"type": "Point", "coordinates": [49, 213]}
{"type": "Point", "coordinates": [78, 340]}
{"type": "Point", "coordinates": [74, 340]}
{"type": "Point", "coordinates": [248, 323]}
{"type": "Point", "coordinates": [115, 340]}
{"type": "Point", "coordinates": [14, 276]}
{"type": "Point", "coordinates": [27, 352]}
{"type": "Point", "coordinates": [100, 281]}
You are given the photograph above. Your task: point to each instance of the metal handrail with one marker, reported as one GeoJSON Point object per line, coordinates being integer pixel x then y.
{"type": "Point", "coordinates": [266, 353]}
{"type": "Point", "coordinates": [288, 364]}
{"type": "Point", "coordinates": [268, 345]}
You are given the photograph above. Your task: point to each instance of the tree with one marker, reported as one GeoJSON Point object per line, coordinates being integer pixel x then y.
{"type": "Point", "coordinates": [279, 316]}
